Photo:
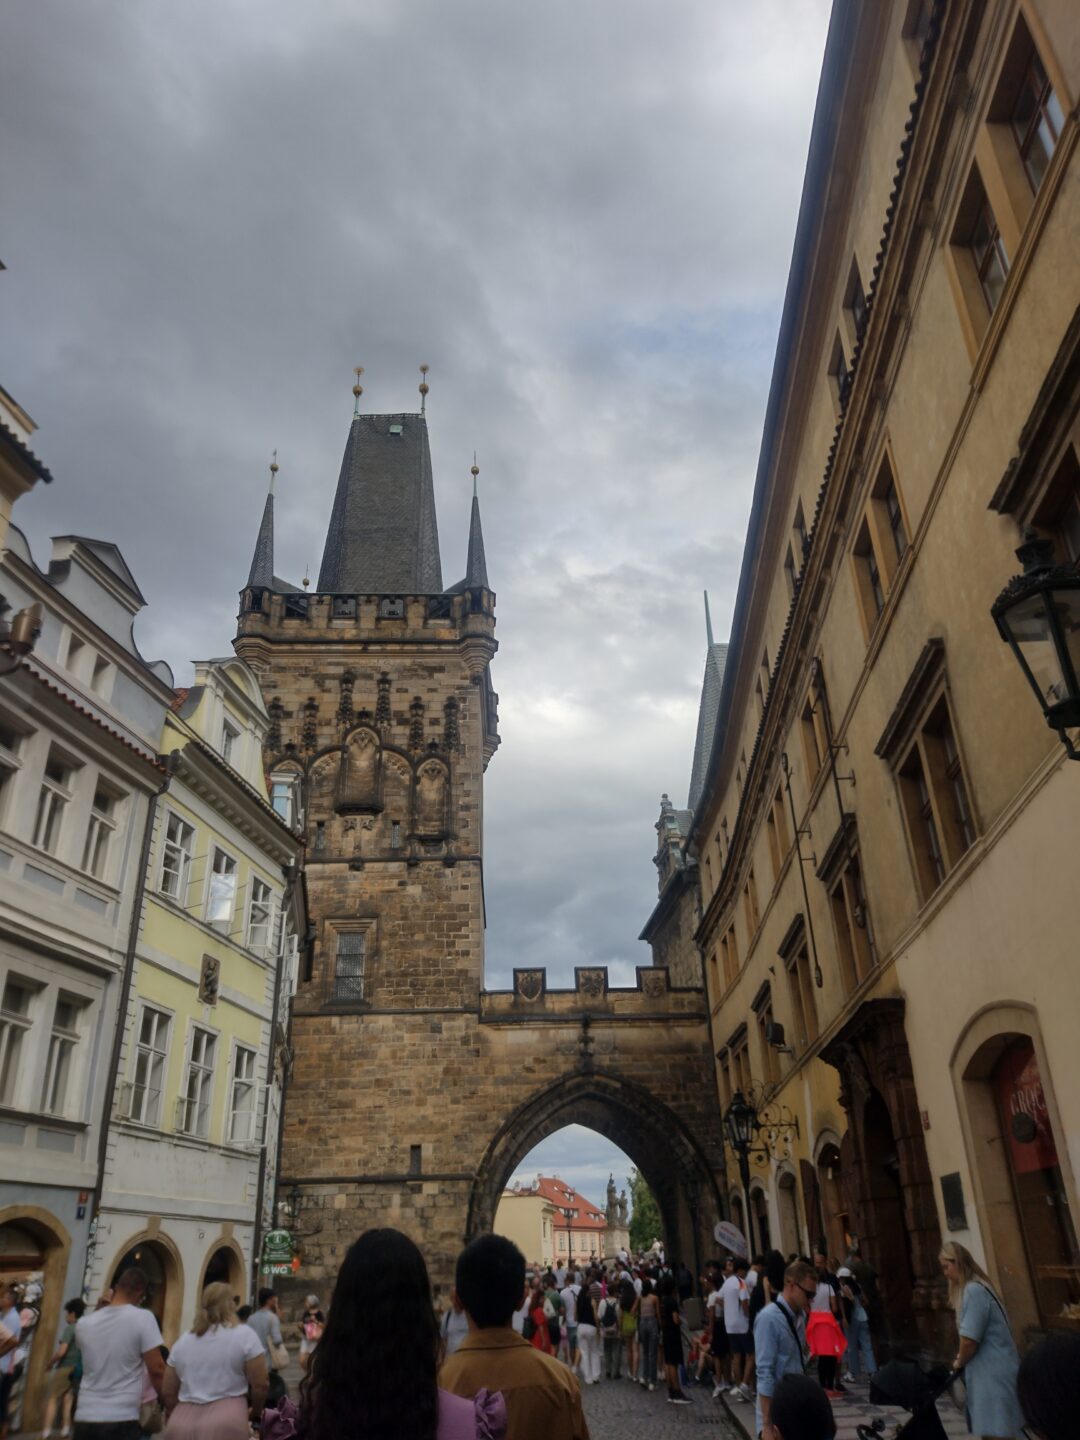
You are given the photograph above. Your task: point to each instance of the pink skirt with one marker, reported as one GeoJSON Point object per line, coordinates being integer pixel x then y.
{"type": "Point", "coordinates": [220, 1420]}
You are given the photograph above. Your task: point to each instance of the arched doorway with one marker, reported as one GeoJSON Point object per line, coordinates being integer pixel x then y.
{"type": "Point", "coordinates": [32, 1241]}
{"type": "Point", "coordinates": [225, 1264]}
{"type": "Point", "coordinates": [1030, 1227]}
{"type": "Point", "coordinates": [669, 1158]}
{"type": "Point", "coordinates": [159, 1259]}
{"type": "Point", "coordinates": [834, 1213]}
{"type": "Point", "coordinates": [787, 1204]}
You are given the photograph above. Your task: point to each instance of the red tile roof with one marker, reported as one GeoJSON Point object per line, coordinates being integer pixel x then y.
{"type": "Point", "coordinates": [179, 696]}
{"type": "Point", "coordinates": [557, 1192]}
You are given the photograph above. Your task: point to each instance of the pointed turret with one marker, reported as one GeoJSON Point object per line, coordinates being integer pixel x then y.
{"type": "Point", "coordinates": [708, 709]}
{"type": "Point", "coordinates": [476, 566]}
{"type": "Point", "coordinates": [383, 537]}
{"type": "Point", "coordinates": [261, 574]}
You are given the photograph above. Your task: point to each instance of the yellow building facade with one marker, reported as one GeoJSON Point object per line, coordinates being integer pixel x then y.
{"type": "Point", "coordinates": [887, 830]}
{"type": "Point", "coordinates": [193, 1137]}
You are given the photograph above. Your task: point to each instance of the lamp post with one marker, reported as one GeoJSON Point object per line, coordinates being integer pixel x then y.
{"type": "Point", "coordinates": [740, 1122]}
{"type": "Point", "coordinates": [1038, 614]}
{"type": "Point", "coordinates": [569, 1215]}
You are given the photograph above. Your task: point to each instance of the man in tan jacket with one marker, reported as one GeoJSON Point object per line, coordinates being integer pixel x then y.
{"type": "Point", "coordinates": [543, 1397]}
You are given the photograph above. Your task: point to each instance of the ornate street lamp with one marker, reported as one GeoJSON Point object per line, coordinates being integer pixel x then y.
{"type": "Point", "coordinates": [569, 1214]}
{"type": "Point", "coordinates": [1038, 613]}
{"type": "Point", "coordinates": [762, 1129]}
{"type": "Point", "coordinates": [291, 1204]}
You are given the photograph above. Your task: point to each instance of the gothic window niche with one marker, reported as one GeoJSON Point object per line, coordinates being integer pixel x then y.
{"type": "Point", "coordinates": [360, 777]}
{"type": "Point", "coordinates": [432, 800]}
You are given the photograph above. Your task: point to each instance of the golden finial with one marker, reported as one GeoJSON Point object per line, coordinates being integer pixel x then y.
{"type": "Point", "coordinates": [474, 472]}
{"type": "Point", "coordinates": [273, 471]}
{"type": "Point", "coordinates": [306, 581]}
{"type": "Point", "coordinates": [423, 387]}
{"type": "Point", "coordinates": [357, 389]}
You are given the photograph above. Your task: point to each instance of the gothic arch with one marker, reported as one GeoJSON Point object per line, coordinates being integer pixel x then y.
{"type": "Point", "coordinates": [657, 1141]}
{"type": "Point", "coordinates": [237, 1266]}
{"type": "Point", "coordinates": [431, 804]}
{"type": "Point", "coordinates": [167, 1254]}
{"type": "Point", "coordinates": [360, 777]}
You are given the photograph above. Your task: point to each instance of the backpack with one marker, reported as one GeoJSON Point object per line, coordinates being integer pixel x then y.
{"type": "Point", "coordinates": [609, 1315]}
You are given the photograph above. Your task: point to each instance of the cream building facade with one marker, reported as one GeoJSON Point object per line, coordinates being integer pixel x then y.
{"type": "Point", "coordinates": [80, 778]}
{"type": "Point", "coordinates": [191, 1154]}
{"type": "Point", "coordinates": [887, 829]}
{"type": "Point", "coordinates": [551, 1222]}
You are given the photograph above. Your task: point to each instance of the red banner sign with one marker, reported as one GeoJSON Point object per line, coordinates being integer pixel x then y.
{"type": "Point", "coordinates": [1024, 1116]}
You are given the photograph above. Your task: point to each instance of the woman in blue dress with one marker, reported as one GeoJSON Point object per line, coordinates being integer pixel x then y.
{"type": "Point", "coordinates": [987, 1356]}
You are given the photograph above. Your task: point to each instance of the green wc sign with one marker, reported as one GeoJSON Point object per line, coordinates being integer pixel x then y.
{"type": "Point", "coordinates": [277, 1254]}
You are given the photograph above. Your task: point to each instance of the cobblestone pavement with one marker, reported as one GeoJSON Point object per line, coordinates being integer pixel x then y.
{"type": "Point", "coordinates": [620, 1410]}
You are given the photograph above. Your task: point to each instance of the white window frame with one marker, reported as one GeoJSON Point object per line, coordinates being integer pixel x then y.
{"type": "Point", "coordinates": [289, 782]}
{"type": "Point", "coordinates": [60, 1061]}
{"type": "Point", "coordinates": [185, 851]}
{"type": "Point", "coordinates": [53, 798]}
{"type": "Point", "coordinates": [158, 1051]}
{"type": "Point", "coordinates": [261, 912]}
{"type": "Point", "coordinates": [194, 1105]}
{"type": "Point", "coordinates": [224, 921]}
{"type": "Point", "coordinates": [245, 1062]}
{"type": "Point", "coordinates": [14, 1027]}
{"type": "Point", "coordinates": [100, 829]}
{"type": "Point", "coordinates": [230, 738]}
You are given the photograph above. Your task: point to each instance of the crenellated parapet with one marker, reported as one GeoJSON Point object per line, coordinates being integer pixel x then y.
{"type": "Point", "coordinates": [652, 997]}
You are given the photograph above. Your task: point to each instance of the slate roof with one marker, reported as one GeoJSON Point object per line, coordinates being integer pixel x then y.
{"type": "Point", "coordinates": [708, 710]}
{"type": "Point", "coordinates": [262, 562]}
{"type": "Point", "coordinates": [476, 566]}
{"type": "Point", "coordinates": [383, 537]}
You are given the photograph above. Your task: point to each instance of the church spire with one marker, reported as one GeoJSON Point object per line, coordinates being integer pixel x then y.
{"type": "Point", "coordinates": [261, 574]}
{"type": "Point", "coordinates": [476, 566]}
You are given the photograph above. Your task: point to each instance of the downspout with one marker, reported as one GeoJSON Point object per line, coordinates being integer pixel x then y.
{"type": "Point", "coordinates": [818, 977]}
{"type": "Point", "coordinates": [712, 1064]}
{"type": "Point", "coordinates": [171, 764]}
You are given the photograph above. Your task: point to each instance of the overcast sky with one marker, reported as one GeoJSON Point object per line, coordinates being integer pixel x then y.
{"type": "Point", "coordinates": [580, 215]}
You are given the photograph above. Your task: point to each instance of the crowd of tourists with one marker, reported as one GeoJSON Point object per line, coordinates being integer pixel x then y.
{"type": "Point", "coordinates": [509, 1355]}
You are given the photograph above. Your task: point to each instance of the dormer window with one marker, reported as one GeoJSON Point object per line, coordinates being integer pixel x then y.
{"type": "Point", "coordinates": [229, 736]}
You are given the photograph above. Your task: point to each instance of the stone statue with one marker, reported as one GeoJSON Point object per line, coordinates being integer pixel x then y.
{"type": "Point", "coordinates": [624, 1210]}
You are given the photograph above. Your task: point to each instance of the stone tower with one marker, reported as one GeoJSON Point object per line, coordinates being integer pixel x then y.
{"type": "Point", "coordinates": [383, 722]}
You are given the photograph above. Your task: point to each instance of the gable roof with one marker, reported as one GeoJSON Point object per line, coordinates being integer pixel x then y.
{"type": "Point", "coordinates": [562, 1195]}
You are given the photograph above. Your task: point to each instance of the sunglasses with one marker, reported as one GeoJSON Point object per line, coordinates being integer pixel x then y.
{"type": "Point", "coordinates": [810, 1294]}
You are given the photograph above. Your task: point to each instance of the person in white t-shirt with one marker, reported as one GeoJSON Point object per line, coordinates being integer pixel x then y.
{"type": "Point", "coordinates": [120, 1345]}
{"type": "Point", "coordinates": [210, 1371]}
{"type": "Point", "coordinates": [735, 1298]}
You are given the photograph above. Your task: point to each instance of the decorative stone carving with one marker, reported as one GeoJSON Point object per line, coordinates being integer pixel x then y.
{"type": "Point", "coordinates": [209, 980]}
{"type": "Point", "coordinates": [276, 711]}
{"type": "Point", "coordinates": [529, 984]}
{"type": "Point", "coordinates": [451, 730]}
{"type": "Point", "coordinates": [432, 795]}
{"type": "Point", "coordinates": [654, 982]}
{"type": "Point", "coordinates": [360, 777]}
{"type": "Point", "coordinates": [382, 704]}
{"type": "Point", "coordinates": [345, 704]}
{"type": "Point", "coordinates": [416, 724]}
{"type": "Point", "coordinates": [309, 732]}
{"type": "Point", "coordinates": [592, 981]}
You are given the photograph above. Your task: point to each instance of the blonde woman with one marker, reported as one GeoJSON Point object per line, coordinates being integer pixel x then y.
{"type": "Point", "coordinates": [987, 1357]}
{"type": "Point", "coordinates": [210, 1371]}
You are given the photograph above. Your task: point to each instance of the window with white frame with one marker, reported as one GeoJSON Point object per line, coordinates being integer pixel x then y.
{"type": "Point", "coordinates": [229, 736]}
{"type": "Point", "coordinates": [151, 1058]}
{"type": "Point", "coordinates": [176, 857]}
{"type": "Point", "coordinates": [260, 915]}
{"type": "Point", "coordinates": [54, 796]}
{"type": "Point", "coordinates": [283, 797]}
{"type": "Point", "coordinates": [60, 1062]}
{"type": "Point", "coordinates": [99, 832]}
{"type": "Point", "coordinates": [16, 1018]}
{"type": "Point", "coordinates": [193, 1111]}
{"type": "Point", "coordinates": [221, 899]}
{"type": "Point", "coordinates": [12, 738]}
{"type": "Point", "coordinates": [242, 1102]}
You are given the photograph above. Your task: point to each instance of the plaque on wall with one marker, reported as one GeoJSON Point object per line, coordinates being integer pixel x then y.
{"type": "Point", "coordinates": [952, 1192]}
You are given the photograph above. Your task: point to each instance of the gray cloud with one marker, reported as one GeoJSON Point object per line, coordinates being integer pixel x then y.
{"type": "Point", "coordinates": [580, 216]}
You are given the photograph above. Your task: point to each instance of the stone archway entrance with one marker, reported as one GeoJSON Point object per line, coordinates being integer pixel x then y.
{"type": "Point", "coordinates": [33, 1242]}
{"type": "Point", "coordinates": [159, 1259]}
{"type": "Point", "coordinates": [667, 1155]}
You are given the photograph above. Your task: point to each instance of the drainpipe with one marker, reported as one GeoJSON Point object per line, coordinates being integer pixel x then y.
{"type": "Point", "coordinates": [172, 762]}
{"type": "Point", "coordinates": [818, 977]}
{"type": "Point", "coordinates": [293, 873]}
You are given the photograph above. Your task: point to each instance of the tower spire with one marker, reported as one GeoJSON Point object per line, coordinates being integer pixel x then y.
{"type": "Point", "coordinates": [476, 566]}
{"type": "Point", "coordinates": [357, 389]}
{"type": "Point", "coordinates": [708, 622]}
{"type": "Point", "coordinates": [423, 387]}
{"type": "Point", "coordinates": [261, 574]}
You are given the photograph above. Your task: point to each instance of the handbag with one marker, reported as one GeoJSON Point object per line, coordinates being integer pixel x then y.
{"type": "Point", "coordinates": [279, 1356]}
{"type": "Point", "coordinates": [151, 1420]}
{"type": "Point", "coordinates": [549, 1309]}
{"type": "Point", "coordinates": [957, 1391]}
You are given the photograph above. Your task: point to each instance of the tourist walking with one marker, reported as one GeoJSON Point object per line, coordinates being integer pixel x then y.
{"type": "Point", "coordinates": [568, 1295]}
{"type": "Point", "coordinates": [860, 1345]}
{"type": "Point", "coordinates": [987, 1356]}
{"type": "Point", "coordinates": [543, 1398]}
{"type": "Point", "coordinates": [210, 1371]}
{"type": "Point", "coordinates": [266, 1322]}
{"type": "Point", "coordinates": [609, 1333]}
{"type": "Point", "coordinates": [778, 1342]}
{"type": "Point", "coordinates": [671, 1340]}
{"type": "Point", "coordinates": [374, 1373]}
{"type": "Point", "coordinates": [454, 1325]}
{"type": "Point", "coordinates": [824, 1334]}
{"type": "Point", "coordinates": [66, 1367]}
{"type": "Point", "coordinates": [648, 1333]}
{"type": "Point", "coordinates": [311, 1326]}
{"type": "Point", "coordinates": [628, 1323]}
{"type": "Point", "coordinates": [588, 1336]}
{"type": "Point", "coordinates": [735, 1299]}
{"type": "Point", "coordinates": [120, 1346]}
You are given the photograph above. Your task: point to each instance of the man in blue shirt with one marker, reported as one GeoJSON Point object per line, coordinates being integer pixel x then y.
{"type": "Point", "coordinates": [778, 1341]}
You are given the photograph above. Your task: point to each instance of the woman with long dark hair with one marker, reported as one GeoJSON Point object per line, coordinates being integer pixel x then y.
{"type": "Point", "coordinates": [373, 1372]}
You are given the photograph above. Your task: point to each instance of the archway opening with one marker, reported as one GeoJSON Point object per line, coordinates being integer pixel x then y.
{"type": "Point", "coordinates": [155, 1262]}
{"type": "Point", "coordinates": [570, 1201]}
{"type": "Point", "coordinates": [892, 1240]}
{"type": "Point", "coordinates": [34, 1252]}
{"type": "Point", "coordinates": [223, 1267]}
{"type": "Point", "coordinates": [834, 1215]}
{"type": "Point", "coordinates": [646, 1131]}
{"type": "Point", "coordinates": [759, 1208]}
